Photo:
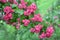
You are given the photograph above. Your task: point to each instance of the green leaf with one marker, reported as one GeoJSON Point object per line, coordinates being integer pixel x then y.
{"type": "Point", "coordinates": [20, 12]}
{"type": "Point", "coordinates": [14, 6]}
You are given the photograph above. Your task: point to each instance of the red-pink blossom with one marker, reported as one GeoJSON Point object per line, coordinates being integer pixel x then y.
{"type": "Point", "coordinates": [18, 26]}
{"type": "Point", "coordinates": [26, 22]}
{"type": "Point", "coordinates": [48, 35]}
{"type": "Point", "coordinates": [30, 9]}
{"type": "Point", "coordinates": [15, 2]}
{"type": "Point", "coordinates": [18, 19]}
{"type": "Point", "coordinates": [11, 1]}
{"type": "Point", "coordinates": [14, 24]}
{"type": "Point", "coordinates": [8, 17]}
{"type": "Point", "coordinates": [22, 4]}
{"type": "Point", "coordinates": [32, 30]}
{"type": "Point", "coordinates": [49, 31]}
{"type": "Point", "coordinates": [3, 1]}
{"type": "Point", "coordinates": [8, 9]}
{"type": "Point", "coordinates": [37, 18]}
{"type": "Point", "coordinates": [27, 13]}
{"type": "Point", "coordinates": [38, 28]}
{"type": "Point", "coordinates": [43, 35]}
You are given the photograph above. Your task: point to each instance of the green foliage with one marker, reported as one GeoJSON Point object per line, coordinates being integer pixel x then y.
{"type": "Point", "coordinates": [25, 34]}
{"type": "Point", "coordinates": [7, 32]}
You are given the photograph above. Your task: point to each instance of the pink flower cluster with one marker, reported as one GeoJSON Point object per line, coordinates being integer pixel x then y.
{"type": "Point", "coordinates": [8, 10]}
{"type": "Point", "coordinates": [26, 22]}
{"type": "Point", "coordinates": [37, 18]}
{"type": "Point", "coordinates": [3, 1]}
{"type": "Point", "coordinates": [37, 28]}
{"type": "Point", "coordinates": [49, 32]}
{"type": "Point", "coordinates": [8, 13]}
{"type": "Point", "coordinates": [7, 16]}
{"type": "Point", "coordinates": [30, 9]}
{"type": "Point", "coordinates": [22, 5]}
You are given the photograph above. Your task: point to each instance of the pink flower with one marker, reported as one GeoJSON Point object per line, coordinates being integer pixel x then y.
{"type": "Point", "coordinates": [27, 13]}
{"type": "Point", "coordinates": [49, 31]}
{"type": "Point", "coordinates": [18, 26]}
{"type": "Point", "coordinates": [30, 9]}
{"type": "Point", "coordinates": [48, 35]}
{"type": "Point", "coordinates": [18, 19]}
{"type": "Point", "coordinates": [8, 9]}
{"type": "Point", "coordinates": [3, 1]}
{"type": "Point", "coordinates": [33, 19]}
{"type": "Point", "coordinates": [26, 22]}
{"type": "Point", "coordinates": [33, 6]}
{"type": "Point", "coordinates": [11, 1]}
{"type": "Point", "coordinates": [14, 24]}
{"type": "Point", "coordinates": [23, 2]}
{"type": "Point", "coordinates": [38, 28]}
{"type": "Point", "coordinates": [32, 30]}
{"type": "Point", "coordinates": [15, 2]}
{"type": "Point", "coordinates": [8, 17]}
{"type": "Point", "coordinates": [22, 5]}
{"type": "Point", "coordinates": [37, 18]}
{"type": "Point", "coordinates": [43, 35]}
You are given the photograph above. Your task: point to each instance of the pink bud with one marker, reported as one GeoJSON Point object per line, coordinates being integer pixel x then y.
{"type": "Point", "coordinates": [43, 35]}
{"type": "Point", "coordinates": [26, 22]}
{"type": "Point", "coordinates": [18, 26]}
{"type": "Point", "coordinates": [18, 19]}
{"type": "Point", "coordinates": [38, 28]}
{"type": "Point", "coordinates": [32, 30]}
{"type": "Point", "coordinates": [48, 35]}
{"type": "Point", "coordinates": [15, 2]}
